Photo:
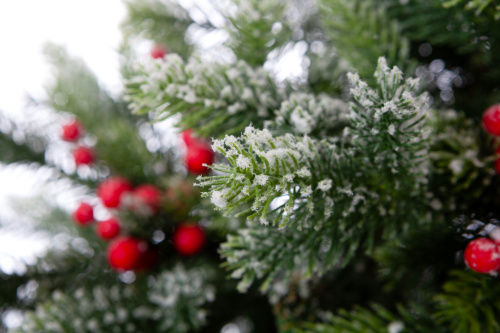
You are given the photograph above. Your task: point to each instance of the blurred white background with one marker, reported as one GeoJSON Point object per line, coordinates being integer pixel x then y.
{"type": "Point", "coordinates": [90, 29]}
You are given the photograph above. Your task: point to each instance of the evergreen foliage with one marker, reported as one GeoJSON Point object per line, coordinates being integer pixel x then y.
{"type": "Point", "coordinates": [339, 200]}
{"type": "Point", "coordinates": [165, 22]}
{"type": "Point", "coordinates": [362, 31]}
{"type": "Point", "coordinates": [469, 303]}
{"type": "Point", "coordinates": [208, 90]}
{"type": "Point", "coordinates": [249, 29]}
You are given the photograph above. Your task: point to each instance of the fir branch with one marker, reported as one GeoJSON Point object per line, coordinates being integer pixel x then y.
{"type": "Point", "coordinates": [214, 98]}
{"type": "Point", "coordinates": [389, 123]}
{"type": "Point", "coordinates": [316, 116]}
{"type": "Point", "coordinates": [326, 69]}
{"type": "Point", "coordinates": [361, 32]}
{"type": "Point", "coordinates": [477, 5]}
{"type": "Point", "coordinates": [431, 22]}
{"type": "Point", "coordinates": [276, 256]}
{"type": "Point", "coordinates": [17, 143]}
{"type": "Point", "coordinates": [165, 22]}
{"type": "Point", "coordinates": [375, 319]}
{"type": "Point", "coordinates": [257, 28]}
{"type": "Point", "coordinates": [171, 305]}
{"type": "Point", "coordinates": [359, 320]}
{"type": "Point", "coordinates": [387, 131]}
{"type": "Point", "coordinates": [469, 303]}
{"type": "Point", "coordinates": [353, 191]}
{"type": "Point", "coordinates": [265, 168]}
{"type": "Point", "coordinates": [462, 164]}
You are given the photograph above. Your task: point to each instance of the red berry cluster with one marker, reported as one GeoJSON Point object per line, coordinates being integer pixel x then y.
{"type": "Point", "coordinates": [126, 252]}
{"type": "Point", "coordinates": [198, 154]}
{"type": "Point", "coordinates": [72, 131]}
{"type": "Point", "coordinates": [491, 123]}
{"type": "Point", "coordinates": [482, 255]}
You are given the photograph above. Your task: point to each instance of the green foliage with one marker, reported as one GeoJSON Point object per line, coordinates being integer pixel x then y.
{"type": "Point", "coordinates": [461, 31]}
{"type": "Point", "coordinates": [375, 319]}
{"type": "Point", "coordinates": [359, 320]}
{"type": "Point", "coordinates": [316, 116]}
{"type": "Point", "coordinates": [469, 303]}
{"type": "Point", "coordinates": [213, 98]}
{"type": "Point", "coordinates": [164, 22]}
{"type": "Point", "coordinates": [333, 191]}
{"type": "Point", "coordinates": [180, 295]}
{"type": "Point", "coordinates": [257, 28]}
{"type": "Point", "coordinates": [478, 5]}
{"type": "Point", "coordinates": [361, 32]}
{"type": "Point", "coordinates": [17, 145]}
{"type": "Point", "coordinates": [326, 70]}
{"type": "Point", "coordinates": [331, 198]}
{"type": "Point", "coordinates": [171, 304]}
{"type": "Point", "coordinates": [462, 164]}
{"type": "Point", "coordinates": [277, 256]}
{"type": "Point", "coordinates": [409, 265]}
{"type": "Point", "coordinates": [423, 21]}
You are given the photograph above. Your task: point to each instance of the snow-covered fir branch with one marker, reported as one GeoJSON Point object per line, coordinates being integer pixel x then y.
{"type": "Point", "coordinates": [266, 170]}
{"type": "Point", "coordinates": [221, 98]}
{"type": "Point", "coordinates": [276, 257]}
{"type": "Point", "coordinates": [351, 187]}
{"type": "Point", "coordinates": [173, 303]}
{"type": "Point", "coordinates": [256, 28]}
{"type": "Point", "coordinates": [388, 124]}
{"type": "Point", "coordinates": [316, 116]}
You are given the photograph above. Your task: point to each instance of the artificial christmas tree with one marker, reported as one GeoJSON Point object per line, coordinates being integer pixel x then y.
{"type": "Point", "coordinates": [354, 191]}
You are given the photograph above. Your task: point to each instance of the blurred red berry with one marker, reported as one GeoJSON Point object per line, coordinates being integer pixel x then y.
{"type": "Point", "coordinates": [491, 120]}
{"type": "Point", "coordinates": [196, 157]}
{"type": "Point", "coordinates": [159, 51]}
{"type": "Point", "coordinates": [125, 253]}
{"type": "Point", "coordinates": [108, 229]}
{"type": "Point", "coordinates": [83, 156]}
{"type": "Point", "coordinates": [147, 195]}
{"type": "Point", "coordinates": [110, 191]}
{"type": "Point", "coordinates": [188, 239]}
{"type": "Point", "coordinates": [84, 214]}
{"type": "Point", "coordinates": [72, 131]}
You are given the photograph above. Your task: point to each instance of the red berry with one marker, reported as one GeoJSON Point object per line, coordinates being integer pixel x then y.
{"type": "Point", "coordinates": [196, 156]}
{"type": "Point", "coordinates": [108, 229]}
{"type": "Point", "coordinates": [83, 156]}
{"type": "Point", "coordinates": [482, 255]}
{"type": "Point", "coordinates": [188, 239]}
{"type": "Point", "coordinates": [491, 120]}
{"type": "Point", "coordinates": [158, 51]}
{"type": "Point", "coordinates": [111, 190]}
{"type": "Point", "coordinates": [72, 131]}
{"type": "Point", "coordinates": [147, 195]}
{"type": "Point", "coordinates": [84, 214]}
{"type": "Point", "coordinates": [125, 253]}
